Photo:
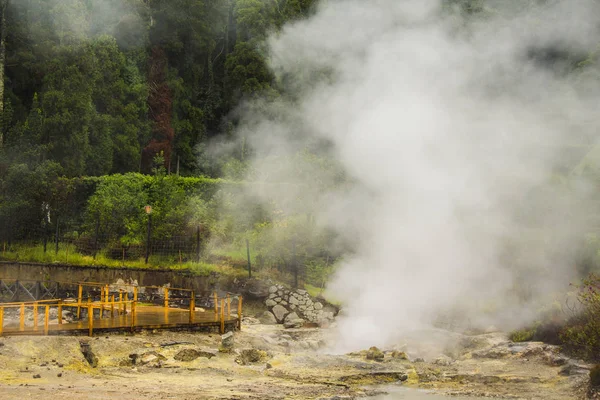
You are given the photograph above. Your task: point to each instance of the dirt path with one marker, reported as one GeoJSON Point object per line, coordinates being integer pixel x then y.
{"type": "Point", "coordinates": [283, 364]}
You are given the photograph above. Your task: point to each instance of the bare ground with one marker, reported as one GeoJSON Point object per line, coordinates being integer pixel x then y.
{"type": "Point", "coordinates": [292, 366]}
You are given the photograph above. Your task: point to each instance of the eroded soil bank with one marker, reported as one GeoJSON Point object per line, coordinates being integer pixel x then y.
{"type": "Point", "coordinates": [270, 362]}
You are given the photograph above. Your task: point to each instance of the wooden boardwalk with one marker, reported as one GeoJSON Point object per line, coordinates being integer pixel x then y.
{"type": "Point", "coordinates": [146, 317]}
{"type": "Point", "coordinates": [112, 309]}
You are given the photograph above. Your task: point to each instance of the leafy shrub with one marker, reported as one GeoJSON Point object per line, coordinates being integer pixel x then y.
{"type": "Point", "coordinates": [522, 335]}
{"type": "Point", "coordinates": [581, 336]}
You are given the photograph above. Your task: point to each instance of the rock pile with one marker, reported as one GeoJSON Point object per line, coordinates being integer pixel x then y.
{"type": "Point", "coordinates": [295, 307]}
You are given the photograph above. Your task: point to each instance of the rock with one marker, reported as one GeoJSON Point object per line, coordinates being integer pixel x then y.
{"type": "Point", "coordinates": [256, 288]}
{"type": "Point", "coordinates": [249, 356]}
{"type": "Point", "coordinates": [280, 293]}
{"type": "Point", "coordinates": [267, 318]}
{"type": "Point", "coordinates": [272, 289]}
{"type": "Point", "coordinates": [277, 299]}
{"type": "Point", "coordinates": [284, 303]}
{"type": "Point", "coordinates": [151, 357]}
{"type": "Point", "coordinates": [443, 361]}
{"type": "Point", "coordinates": [375, 354]}
{"type": "Point", "coordinates": [291, 316]}
{"type": "Point", "coordinates": [318, 306]}
{"type": "Point", "coordinates": [270, 303]}
{"type": "Point", "coordinates": [293, 300]}
{"type": "Point", "coordinates": [301, 291]}
{"type": "Point", "coordinates": [280, 312]}
{"type": "Point", "coordinates": [494, 352]}
{"type": "Point", "coordinates": [226, 342]}
{"type": "Point", "coordinates": [400, 355]}
{"type": "Point", "coordinates": [250, 321]}
{"type": "Point", "coordinates": [89, 356]}
{"type": "Point", "coordinates": [294, 323]}
{"type": "Point", "coordinates": [192, 354]}
{"type": "Point", "coordinates": [37, 376]}
{"type": "Point", "coordinates": [572, 368]}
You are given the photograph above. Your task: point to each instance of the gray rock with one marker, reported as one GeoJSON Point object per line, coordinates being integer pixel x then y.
{"type": "Point", "coordinates": [301, 291]}
{"type": "Point", "coordinates": [151, 357]}
{"type": "Point", "coordinates": [375, 354]}
{"type": "Point", "coordinates": [292, 316]}
{"type": "Point", "coordinates": [270, 303]}
{"type": "Point", "coordinates": [272, 289]}
{"type": "Point", "coordinates": [192, 354]}
{"type": "Point", "coordinates": [250, 356]}
{"type": "Point", "coordinates": [318, 306]}
{"type": "Point", "coordinates": [280, 312]}
{"type": "Point", "coordinates": [267, 318]}
{"type": "Point", "coordinates": [292, 306]}
{"type": "Point", "coordinates": [277, 299]}
{"type": "Point", "coordinates": [293, 300]}
{"type": "Point", "coordinates": [279, 293]}
{"type": "Point", "coordinates": [294, 323]}
{"type": "Point", "coordinates": [226, 342]}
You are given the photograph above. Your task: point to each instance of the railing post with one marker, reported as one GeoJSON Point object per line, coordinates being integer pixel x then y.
{"type": "Point", "coordinates": [1, 320]}
{"type": "Point", "coordinates": [22, 318]}
{"type": "Point", "coordinates": [228, 305]}
{"type": "Point", "coordinates": [46, 319]}
{"type": "Point", "coordinates": [192, 307]}
{"type": "Point", "coordinates": [240, 312]}
{"type": "Point", "coordinates": [216, 301]}
{"type": "Point", "coordinates": [60, 312]}
{"type": "Point", "coordinates": [135, 293]}
{"type": "Point", "coordinates": [90, 319]}
{"type": "Point", "coordinates": [222, 316]}
{"type": "Point", "coordinates": [35, 316]}
{"type": "Point", "coordinates": [112, 306]}
{"type": "Point", "coordinates": [166, 297]}
{"type": "Point", "coordinates": [133, 315]}
{"type": "Point", "coordinates": [79, 296]}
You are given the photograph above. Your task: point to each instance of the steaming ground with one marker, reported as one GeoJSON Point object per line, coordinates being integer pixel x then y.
{"type": "Point", "coordinates": [450, 135]}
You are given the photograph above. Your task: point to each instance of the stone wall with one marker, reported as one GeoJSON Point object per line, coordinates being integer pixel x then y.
{"type": "Point", "coordinates": [74, 273]}
{"type": "Point", "coordinates": [294, 308]}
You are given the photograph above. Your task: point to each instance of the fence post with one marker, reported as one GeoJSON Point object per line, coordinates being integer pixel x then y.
{"type": "Point", "coordinates": [216, 301]}
{"type": "Point", "coordinates": [56, 237]}
{"type": "Point", "coordinates": [148, 211]}
{"type": "Point", "coordinates": [112, 306]}
{"type": "Point", "coordinates": [198, 243]}
{"type": "Point", "coordinates": [60, 312]}
{"type": "Point", "coordinates": [96, 235]}
{"type": "Point", "coordinates": [249, 263]}
{"type": "Point", "coordinates": [166, 297]}
{"type": "Point", "coordinates": [1, 320]}
{"type": "Point", "coordinates": [228, 305]}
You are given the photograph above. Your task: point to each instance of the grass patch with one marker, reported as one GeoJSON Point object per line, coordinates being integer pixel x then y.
{"type": "Point", "coordinates": [522, 335]}
{"type": "Point", "coordinates": [66, 254]}
{"type": "Point", "coordinates": [321, 293]}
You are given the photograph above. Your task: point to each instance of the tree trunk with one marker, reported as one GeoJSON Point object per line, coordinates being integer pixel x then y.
{"type": "Point", "coordinates": [3, 6]}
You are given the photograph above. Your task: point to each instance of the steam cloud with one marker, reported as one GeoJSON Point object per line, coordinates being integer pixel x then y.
{"type": "Point", "coordinates": [451, 134]}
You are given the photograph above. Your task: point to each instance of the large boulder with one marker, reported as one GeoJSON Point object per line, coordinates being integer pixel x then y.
{"type": "Point", "coordinates": [192, 354]}
{"type": "Point", "coordinates": [267, 318]}
{"type": "Point", "coordinates": [226, 343]}
{"type": "Point", "coordinates": [280, 313]}
{"type": "Point", "coordinates": [250, 356]}
{"type": "Point", "coordinates": [255, 288]}
{"type": "Point", "coordinates": [375, 354]}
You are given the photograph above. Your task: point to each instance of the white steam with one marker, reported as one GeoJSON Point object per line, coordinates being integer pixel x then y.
{"type": "Point", "coordinates": [450, 134]}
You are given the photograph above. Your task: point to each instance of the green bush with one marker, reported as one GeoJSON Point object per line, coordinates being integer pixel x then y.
{"type": "Point", "coordinates": [581, 336]}
{"type": "Point", "coordinates": [522, 335]}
